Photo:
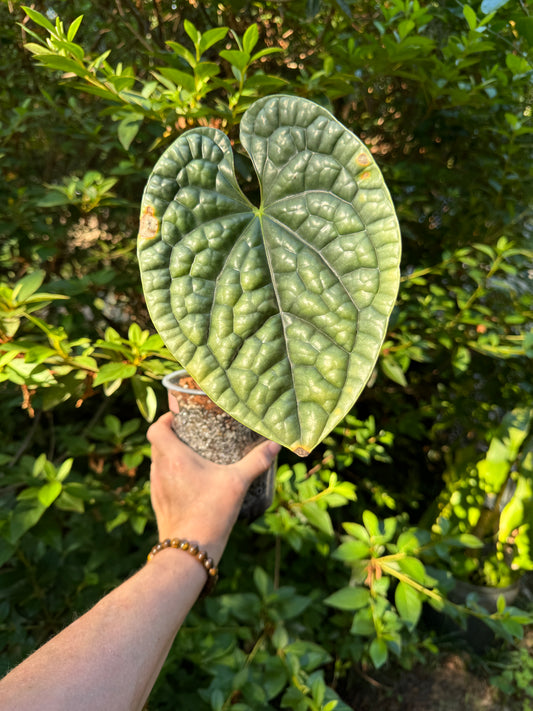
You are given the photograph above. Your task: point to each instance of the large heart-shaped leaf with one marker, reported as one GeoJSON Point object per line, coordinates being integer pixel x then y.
{"type": "Point", "coordinates": [277, 311]}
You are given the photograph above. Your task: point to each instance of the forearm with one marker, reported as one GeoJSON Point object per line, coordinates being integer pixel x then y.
{"type": "Point", "coordinates": [110, 657]}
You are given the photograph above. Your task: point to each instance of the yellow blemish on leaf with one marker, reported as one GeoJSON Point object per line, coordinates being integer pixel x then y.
{"type": "Point", "coordinates": [365, 175]}
{"type": "Point", "coordinates": [149, 224]}
{"type": "Point", "coordinates": [363, 159]}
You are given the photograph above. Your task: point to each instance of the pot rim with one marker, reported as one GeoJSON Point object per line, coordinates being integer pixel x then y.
{"type": "Point", "coordinates": [170, 384]}
{"type": "Point", "coordinates": [467, 586]}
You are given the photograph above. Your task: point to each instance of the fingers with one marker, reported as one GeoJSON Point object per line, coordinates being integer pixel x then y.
{"type": "Point", "coordinates": [162, 437]}
{"type": "Point", "coordinates": [258, 460]}
{"type": "Point", "coordinates": [160, 433]}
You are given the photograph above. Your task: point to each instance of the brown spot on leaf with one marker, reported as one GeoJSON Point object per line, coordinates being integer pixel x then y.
{"type": "Point", "coordinates": [301, 452]}
{"type": "Point", "coordinates": [149, 224]}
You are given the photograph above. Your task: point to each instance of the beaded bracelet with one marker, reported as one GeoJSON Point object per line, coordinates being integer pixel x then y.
{"type": "Point", "coordinates": [201, 556]}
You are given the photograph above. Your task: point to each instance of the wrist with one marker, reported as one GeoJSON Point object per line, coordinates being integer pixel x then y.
{"type": "Point", "coordinates": [209, 533]}
{"type": "Point", "coordinates": [201, 559]}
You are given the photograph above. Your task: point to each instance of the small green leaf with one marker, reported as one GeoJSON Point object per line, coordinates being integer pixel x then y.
{"type": "Point", "coordinates": [264, 53]}
{"type": "Point", "coordinates": [73, 28]}
{"type": "Point", "coordinates": [145, 397]}
{"type": "Point", "coordinates": [461, 359]}
{"type": "Point", "coordinates": [500, 604]}
{"type": "Point", "coordinates": [211, 37]}
{"type": "Point", "coordinates": [206, 70]}
{"type": "Point", "coordinates": [470, 17]}
{"type": "Point", "coordinates": [25, 516]}
{"type": "Point", "coordinates": [410, 541]}
{"type": "Point", "coordinates": [517, 65]}
{"type": "Point", "coordinates": [351, 551]}
{"type": "Point", "coordinates": [69, 502]}
{"type": "Point", "coordinates": [128, 128]}
{"type": "Point", "coordinates": [363, 623]}
{"type": "Point", "coordinates": [378, 652]}
{"type": "Point", "coordinates": [182, 51]}
{"type": "Point", "coordinates": [250, 38]}
{"type": "Point", "coordinates": [63, 64]}
{"type": "Point", "coordinates": [349, 598]}
{"type": "Point", "coordinates": [216, 700]}
{"type": "Point", "coordinates": [414, 568]}
{"type": "Point", "coordinates": [39, 19]}
{"type": "Point", "coordinates": [28, 285]}
{"type": "Point", "coordinates": [64, 470]}
{"type": "Point", "coordinates": [236, 58]}
{"type": "Point", "coordinates": [318, 517]}
{"type": "Point", "coordinates": [280, 637]}
{"type": "Point", "coordinates": [470, 541]}
{"type": "Point", "coordinates": [180, 79]}
{"type": "Point", "coordinates": [193, 33]}
{"type": "Point", "coordinates": [393, 370]}
{"type": "Point", "coordinates": [408, 603]}
{"type": "Point", "coordinates": [357, 531]}
{"type": "Point", "coordinates": [114, 371]}
{"type": "Point", "coordinates": [49, 492]}
{"type": "Point", "coordinates": [371, 523]}
{"type": "Point", "coordinates": [262, 582]}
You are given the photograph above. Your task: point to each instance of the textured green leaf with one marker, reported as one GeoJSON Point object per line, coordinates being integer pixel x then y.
{"type": "Point", "coordinates": [277, 311]}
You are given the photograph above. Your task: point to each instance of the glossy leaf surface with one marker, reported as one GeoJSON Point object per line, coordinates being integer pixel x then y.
{"type": "Point", "coordinates": [277, 311]}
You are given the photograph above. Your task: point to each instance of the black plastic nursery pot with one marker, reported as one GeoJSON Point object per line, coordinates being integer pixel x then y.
{"type": "Point", "coordinates": [476, 634]}
{"type": "Point", "coordinates": [215, 435]}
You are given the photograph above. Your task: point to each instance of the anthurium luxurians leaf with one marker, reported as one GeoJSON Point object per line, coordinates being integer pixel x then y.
{"type": "Point", "coordinates": [278, 311]}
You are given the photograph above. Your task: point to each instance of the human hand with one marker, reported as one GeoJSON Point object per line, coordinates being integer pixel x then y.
{"type": "Point", "coordinates": [194, 498]}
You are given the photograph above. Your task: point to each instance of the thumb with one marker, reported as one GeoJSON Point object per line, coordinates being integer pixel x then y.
{"type": "Point", "coordinates": [258, 460]}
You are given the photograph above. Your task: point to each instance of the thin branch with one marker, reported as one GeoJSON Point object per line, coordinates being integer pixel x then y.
{"type": "Point", "coordinates": [27, 439]}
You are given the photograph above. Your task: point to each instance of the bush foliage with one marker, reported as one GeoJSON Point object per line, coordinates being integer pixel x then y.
{"type": "Point", "coordinates": [346, 558]}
